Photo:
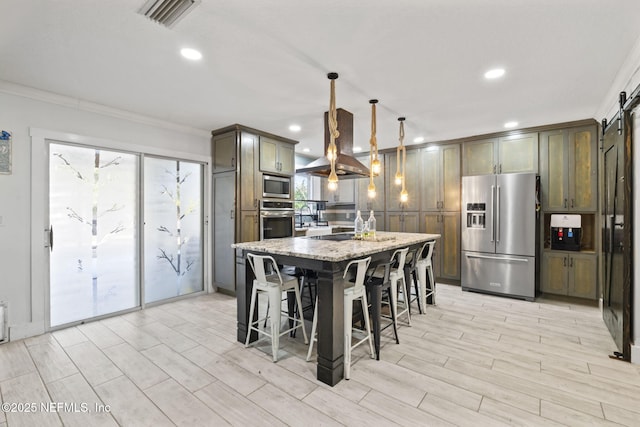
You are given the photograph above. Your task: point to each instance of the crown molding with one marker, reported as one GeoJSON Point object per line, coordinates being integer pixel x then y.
{"type": "Point", "coordinates": [16, 89]}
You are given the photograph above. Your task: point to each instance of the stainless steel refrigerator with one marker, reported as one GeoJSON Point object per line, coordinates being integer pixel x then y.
{"type": "Point", "coordinates": [499, 234]}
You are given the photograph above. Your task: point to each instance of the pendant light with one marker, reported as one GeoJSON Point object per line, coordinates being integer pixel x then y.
{"type": "Point", "coordinates": [401, 177]}
{"type": "Point", "coordinates": [373, 152]}
{"type": "Point", "coordinates": [332, 151]}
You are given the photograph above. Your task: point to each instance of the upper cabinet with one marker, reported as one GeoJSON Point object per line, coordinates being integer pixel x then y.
{"type": "Point", "coordinates": [277, 156]}
{"type": "Point", "coordinates": [224, 152]}
{"type": "Point", "coordinates": [249, 176]}
{"type": "Point", "coordinates": [345, 194]}
{"type": "Point", "coordinates": [440, 168]}
{"type": "Point", "coordinates": [412, 184]}
{"type": "Point", "coordinates": [568, 169]}
{"type": "Point", "coordinates": [508, 154]}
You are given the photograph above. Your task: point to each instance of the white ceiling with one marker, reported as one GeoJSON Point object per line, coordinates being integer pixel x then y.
{"type": "Point", "coordinates": [265, 62]}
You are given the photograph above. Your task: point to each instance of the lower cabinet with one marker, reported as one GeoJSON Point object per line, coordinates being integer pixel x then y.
{"type": "Point", "coordinates": [446, 255]}
{"type": "Point", "coordinates": [249, 230]}
{"type": "Point", "coordinates": [404, 222]}
{"type": "Point", "coordinates": [569, 273]}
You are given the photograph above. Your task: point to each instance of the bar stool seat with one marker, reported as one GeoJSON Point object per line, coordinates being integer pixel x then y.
{"type": "Point", "coordinates": [351, 294]}
{"type": "Point", "coordinates": [273, 285]}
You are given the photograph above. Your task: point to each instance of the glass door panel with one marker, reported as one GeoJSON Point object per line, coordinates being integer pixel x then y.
{"type": "Point", "coordinates": [94, 215]}
{"type": "Point", "coordinates": [173, 242]}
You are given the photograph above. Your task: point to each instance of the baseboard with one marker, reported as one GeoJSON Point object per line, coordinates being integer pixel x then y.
{"type": "Point", "coordinates": [25, 330]}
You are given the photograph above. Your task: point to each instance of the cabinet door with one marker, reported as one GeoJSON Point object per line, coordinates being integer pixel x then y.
{"type": "Point", "coordinates": [432, 225]}
{"type": "Point", "coordinates": [412, 184]}
{"type": "Point", "coordinates": [450, 245]}
{"type": "Point", "coordinates": [287, 158]}
{"type": "Point", "coordinates": [478, 157]}
{"type": "Point", "coordinates": [224, 230]}
{"type": "Point", "coordinates": [411, 222]}
{"type": "Point", "coordinates": [249, 184]}
{"type": "Point", "coordinates": [555, 276]}
{"type": "Point", "coordinates": [346, 191]}
{"type": "Point", "coordinates": [583, 276]}
{"type": "Point", "coordinates": [451, 178]}
{"type": "Point", "coordinates": [249, 230]}
{"type": "Point", "coordinates": [224, 152]}
{"type": "Point", "coordinates": [345, 194]}
{"type": "Point", "coordinates": [583, 177]}
{"type": "Point", "coordinates": [554, 168]}
{"type": "Point", "coordinates": [431, 169]}
{"type": "Point", "coordinates": [394, 222]}
{"type": "Point", "coordinates": [518, 153]}
{"type": "Point", "coordinates": [268, 155]}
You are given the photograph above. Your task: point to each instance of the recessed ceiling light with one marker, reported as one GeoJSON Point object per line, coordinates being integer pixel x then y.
{"type": "Point", "coordinates": [510, 125]}
{"type": "Point", "coordinates": [357, 149]}
{"type": "Point", "coordinates": [418, 139]}
{"type": "Point", "coordinates": [494, 74]}
{"type": "Point", "coordinates": [191, 54]}
{"type": "Point", "coordinates": [305, 150]}
{"type": "Point", "coordinates": [295, 128]}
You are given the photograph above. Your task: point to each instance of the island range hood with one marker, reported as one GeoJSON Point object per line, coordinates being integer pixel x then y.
{"type": "Point", "coordinates": [347, 166]}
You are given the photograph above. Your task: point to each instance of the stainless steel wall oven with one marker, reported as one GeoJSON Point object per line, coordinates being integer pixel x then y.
{"type": "Point", "coordinates": [277, 219]}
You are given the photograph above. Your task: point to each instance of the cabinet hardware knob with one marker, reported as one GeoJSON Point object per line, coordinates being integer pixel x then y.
{"type": "Point", "coordinates": [564, 261]}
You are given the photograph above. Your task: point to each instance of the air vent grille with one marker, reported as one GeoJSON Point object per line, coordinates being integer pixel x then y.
{"type": "Point", "coordinates": [168, 12]}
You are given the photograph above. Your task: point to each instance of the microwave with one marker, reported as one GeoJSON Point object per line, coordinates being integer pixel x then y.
{"type": "Point", "coordinates": [276, 187]}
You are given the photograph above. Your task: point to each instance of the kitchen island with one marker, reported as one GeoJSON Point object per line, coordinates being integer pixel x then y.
{"type": "Point", "coordinates": [329, 259]}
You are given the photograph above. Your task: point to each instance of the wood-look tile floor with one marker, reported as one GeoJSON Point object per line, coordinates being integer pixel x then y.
{"type": "Point", "coordinates": [471, 360]}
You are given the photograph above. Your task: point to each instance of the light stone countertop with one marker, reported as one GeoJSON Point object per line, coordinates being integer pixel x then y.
{"type": "Point", "coordinates": [334, 251]}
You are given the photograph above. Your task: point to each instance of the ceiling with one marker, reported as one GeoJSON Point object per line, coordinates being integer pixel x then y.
{"type": "Point", "coordinates": [265, 63]}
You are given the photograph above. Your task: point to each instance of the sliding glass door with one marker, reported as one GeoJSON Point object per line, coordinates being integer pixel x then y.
{"type": "Point", "coordinates": [93, 205]}
{"type": "Point", "coordinates": [100, 228]}
{"type": "Point", "coordinates": [173, 228]}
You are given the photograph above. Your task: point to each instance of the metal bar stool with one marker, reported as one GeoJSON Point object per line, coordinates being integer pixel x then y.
{"type": "Point", "coordinates": [424, 266]}
{"type": "Point", "coordinates": [273, 285]}
{"type": "Point", "coordinates": [351, 294]}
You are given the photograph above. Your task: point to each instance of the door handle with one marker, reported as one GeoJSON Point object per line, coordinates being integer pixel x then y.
{"type": "Point", "coordinates": [497, 214]}
{"type": "Point", "coordinates": [565, 203]}
{"type": "Point", "coordinates": [51, 238]}
{"type": "Point", "coordinates": [493, 236]}
{"type": "Point", "coordinates": [571, 262]}
{"type": "Point", "coordinates": [497, 258]}
{"type": "Point", "coordinates": [231, 212]}
{"type": "Point", "coordinates": [564, 261]}
{"type": "Point", "coordinates": [572, 202]}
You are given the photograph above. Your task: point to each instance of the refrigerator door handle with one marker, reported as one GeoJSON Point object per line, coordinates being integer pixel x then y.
{"type": "Point", "coordinates": [497, 214]}
{"type": "Point", "coordinates": [497, 258]}
{"type": "Point", "coordinates": [493, 188]}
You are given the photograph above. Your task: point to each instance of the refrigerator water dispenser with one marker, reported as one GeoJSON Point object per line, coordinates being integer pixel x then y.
{"type": "Point", "coordinates": [476, 215]}
{"type": "Point", "coordinates": [565, 232]}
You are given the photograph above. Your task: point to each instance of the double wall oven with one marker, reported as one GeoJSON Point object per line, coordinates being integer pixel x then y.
{"type": "Point", "coordinates": [276, 219]}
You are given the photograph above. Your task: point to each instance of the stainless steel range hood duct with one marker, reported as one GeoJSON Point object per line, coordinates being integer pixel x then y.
{"type": "Point", "coordinates": [347, 166]}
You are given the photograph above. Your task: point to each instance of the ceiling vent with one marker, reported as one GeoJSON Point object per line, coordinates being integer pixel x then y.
{"type": "Point", "coordinates": [168, 12]}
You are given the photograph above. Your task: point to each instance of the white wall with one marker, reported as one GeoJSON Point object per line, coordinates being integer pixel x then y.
{"type": "Point", "coordinates": [627, 80]}
{"type": "Point", "coordinates": [24, 111]}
